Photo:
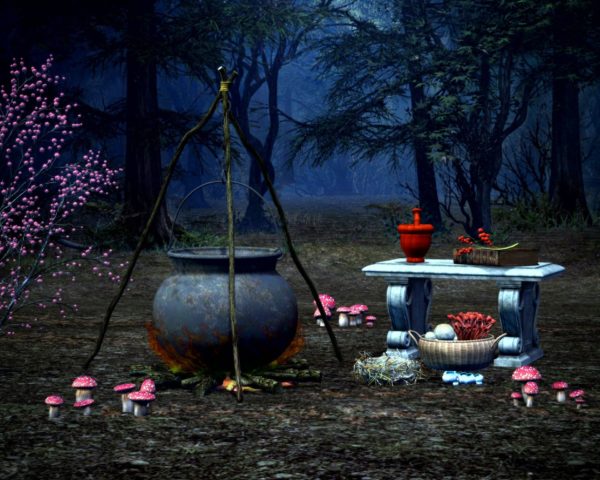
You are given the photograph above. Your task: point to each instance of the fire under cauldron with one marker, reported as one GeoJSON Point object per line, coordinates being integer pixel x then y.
{"type": "Point", "coordinates": [191, 329]}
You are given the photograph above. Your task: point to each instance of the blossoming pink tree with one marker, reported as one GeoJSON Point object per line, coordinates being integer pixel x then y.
{"type": "Point", "coordinates": [40, 190]}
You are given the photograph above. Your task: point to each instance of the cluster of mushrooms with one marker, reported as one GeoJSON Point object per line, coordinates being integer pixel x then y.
{"type": "Point", "coordinates": [528, 376]}
{"type": "Point", "coordinates": [352, 316]}
{"type": "Point", "coordinates": [132, 400]}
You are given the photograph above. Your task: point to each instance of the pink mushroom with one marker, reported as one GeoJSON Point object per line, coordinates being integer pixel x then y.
{"type": "Point", "coordinates": [86, 405]}
{"type": "Point", "coordinates": [525, 374]}
{"type": "Point", "coordinates": [54, 402]}
{"type": "Point", "coordinates": [123, 389]}
{"type": "Point", "coordinates": [370, 320]}
{"type": "Point", "coordinates": [353, 315]}
{"type": "Point", "coordinates": [575, 394]}
{"type": "Point", "coordinates": [530, 389]}
{"type": "Point", "coordinates": [84, 386]}
{"type": "Point", "coordinates": [362, 309]}
{"type": "Point", "coordinates": [148, 385]}
{"type": "Point", "coordinates": [343, 316]}
{"type": "Point", "coordinates": [580, 402]}
{"type": "Point", "coordinates": [141, 401]}
{"type": "Point", "coordinates": [327, 300]}
{"type": "Point", "coordinates": [317, 316]}
{"type": "Point", "coordinates": [516, 398]}
{"type": "Point", "coordinates": [560, 387]}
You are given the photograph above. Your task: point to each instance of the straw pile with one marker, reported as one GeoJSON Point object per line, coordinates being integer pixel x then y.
{"type": "Point", "coordinates": [387, 370]}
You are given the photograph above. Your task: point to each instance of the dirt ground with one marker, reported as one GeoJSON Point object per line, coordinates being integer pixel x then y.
{"type": "Point", "coordinates": [338, 428]}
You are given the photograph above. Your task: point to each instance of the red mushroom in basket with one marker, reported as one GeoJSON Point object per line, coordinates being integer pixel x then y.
{"type": "Point", "coordinates": [530, 389]}
{"type": "Point", "coordinates": [124, 389]}
{"type": "Point", "coordinates": [54, 402]}
{"type": "Point", "coordinates": [525, 374]}
{"type": "Point", "coordinates": [559, 388]}
{"type": "Point", "coordinates": [84, 386]}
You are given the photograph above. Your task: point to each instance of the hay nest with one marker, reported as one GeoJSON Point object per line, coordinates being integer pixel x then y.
{"type": "Point", "coordinates": [387, 370]}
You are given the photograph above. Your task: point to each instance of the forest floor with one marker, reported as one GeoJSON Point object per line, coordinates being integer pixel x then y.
{"type": "Point", "coordinates": [338, 428]}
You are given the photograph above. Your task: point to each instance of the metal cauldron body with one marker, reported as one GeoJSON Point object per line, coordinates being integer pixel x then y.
{"type": "Point", "coordinates": [191, 329]}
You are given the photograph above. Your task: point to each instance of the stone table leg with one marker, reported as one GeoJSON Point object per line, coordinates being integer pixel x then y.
{"type": "Point", "coordinates": [408, 303]}
{"type": "Point", "coordinates": [518, 304]}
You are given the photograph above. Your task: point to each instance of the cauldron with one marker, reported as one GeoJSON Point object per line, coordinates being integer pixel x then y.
{"type": "Point", "coordinates": [191, 330]}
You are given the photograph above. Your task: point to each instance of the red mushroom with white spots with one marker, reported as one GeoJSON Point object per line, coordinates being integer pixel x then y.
{"type": "Point", "coordinates": [576, 394]}
{"type": "Point", "coordinates": [326, 300]}
{"type": "Point", "coordinates": [319, 318]}
{"type": "Point", "coordinates": [362, 309]}
{"type": "Point", "coordinates": [370, 321]}
{"type": "Point", "coordinates": [353, 315]}
{"type": "Point", "coordinates": [54, 402]}
{"type": "Point", "coordinates": [560, 388]}
{"type": "Point", "coordinates": [525, 374]}
{"type": "Point", "coordinates": [530, 389]}
{"type": "Point", "coordinates": [148, 385]}
{"type": "Point", "coordinates": [141, 401]}
{"type": "Point", "coordinates": [84, 386]}
{"type": "Point", "coordinates": [516, 398]}
{"type": "Point", "coordinates": [85, 405]}
{"type": "Point", "coordinates": [124, 389]}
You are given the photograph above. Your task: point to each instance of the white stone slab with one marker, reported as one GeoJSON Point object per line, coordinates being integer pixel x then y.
{"type": "Point", "coordinates": [446, 268]}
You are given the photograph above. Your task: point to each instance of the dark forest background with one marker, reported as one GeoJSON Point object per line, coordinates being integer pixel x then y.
{"type": "Point", "coordinates": [465, 107]}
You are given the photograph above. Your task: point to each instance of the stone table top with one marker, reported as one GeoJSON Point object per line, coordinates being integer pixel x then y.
{"type": "Point", "coordinates": [446, 268]}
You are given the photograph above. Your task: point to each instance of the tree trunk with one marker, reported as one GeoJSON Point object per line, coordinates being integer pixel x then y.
{"type": "Point", "coordinates": [428, 196]}
{"type": "Point", "coordinates": [142, 156]}
{"type": "Point", "coordinates": [566, 178]}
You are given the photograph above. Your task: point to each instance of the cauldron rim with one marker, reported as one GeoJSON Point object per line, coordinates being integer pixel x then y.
{"type": "Point", "coordinates": [221, 253]}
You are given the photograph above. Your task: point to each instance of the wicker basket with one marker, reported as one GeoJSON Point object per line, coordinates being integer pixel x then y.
{"type": "Point", "coordinates": [459, 355]}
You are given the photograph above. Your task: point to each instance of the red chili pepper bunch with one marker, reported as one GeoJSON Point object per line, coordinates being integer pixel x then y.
{"type": "Point", "coordinates": [471, 325]}
{"type": "Point", "coordinates": [483, 238]}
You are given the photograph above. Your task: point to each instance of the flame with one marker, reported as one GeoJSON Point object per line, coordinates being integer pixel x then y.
{"type": "Point", "coordinates": [293, 348]}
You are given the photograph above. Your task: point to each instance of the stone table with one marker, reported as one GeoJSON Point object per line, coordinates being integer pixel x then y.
{"type": "Point", "coordinates": [409, 294]}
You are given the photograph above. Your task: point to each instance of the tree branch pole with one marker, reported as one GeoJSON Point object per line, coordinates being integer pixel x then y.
{"type": "Point", "coordinates": [286, 232]}
{"type": "Point", "coordinates": [224, 92]}
{"type": "Point", "coordinates": [138, 249]}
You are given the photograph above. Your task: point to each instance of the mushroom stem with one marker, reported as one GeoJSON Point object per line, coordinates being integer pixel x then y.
{"type": "Point", "coordinates": [53, 411]}
{"type": "Point", "coordinates": [516, 402]}
{"type": "Point", "coordinates": [343, 320]}
{"type": "Point", "coordinates": [87, 411]}
{"type": "Point", "coordinates": [82, 394]}
{"type": "Point", "coordinates": [140, 409]}
{"type": "Point", "coordinates": [529, 401]}
{"type": "Point", "coordinates": [561, 396]}
{"type": "Point", "coordinates": [127, 405]}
